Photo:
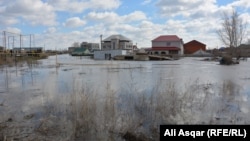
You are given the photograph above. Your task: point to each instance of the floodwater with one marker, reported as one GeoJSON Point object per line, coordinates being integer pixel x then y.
{"type": "Point", "coordinates": [49, 101]}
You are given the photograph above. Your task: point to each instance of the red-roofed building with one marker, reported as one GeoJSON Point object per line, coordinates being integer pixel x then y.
{"type": "Point", "coordinates": [193, 46]}
{"type": "Point", "coordinates": [166, 45]}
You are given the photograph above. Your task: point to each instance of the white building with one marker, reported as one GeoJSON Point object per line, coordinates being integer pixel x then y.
{"type": "Point", "coordinates": [108, 54]}
{"type": "Point", "coordinates": [112, 46]}
{"type": "Point", "coordinates": [117, 42]}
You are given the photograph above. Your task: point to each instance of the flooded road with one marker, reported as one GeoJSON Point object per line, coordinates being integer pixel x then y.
{"type": "Point", "coordinates": [80, 97]}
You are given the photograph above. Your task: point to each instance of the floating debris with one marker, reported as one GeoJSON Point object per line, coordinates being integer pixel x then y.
{"type": "Point", "coordinates": [30, 116]}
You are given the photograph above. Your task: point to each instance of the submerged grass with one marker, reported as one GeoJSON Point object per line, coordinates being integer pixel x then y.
{"type": "Point", "coordinates": [128, 115]}
{"type": "Point", "coordinates": [12, 59]}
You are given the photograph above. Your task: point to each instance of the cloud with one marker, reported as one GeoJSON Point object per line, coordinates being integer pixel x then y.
{"type": "Point", "coordinates": [245, 18]}
{"type": "Point", "coordinates": [186, 8]}
{"type": "Point", "coordinates": [112, 17]}
{"type": "Point", "coordinates": [135, 16]}
{"type": "Point", "coordinates": [106, 17]}
{"type": "Point", "coordinates": [13, 30]}
{"type": "Point", "coordinates": [74, 22]}
{"type": "Point", "coordinates": [60, 41]}
{"type": "Point", "coordinates": [241, 3]}
{"type": "Point", "coordinates": [8, 21]}
{"type": "Point", "coordinates": [51, 30]}
{"type": "Point", "coordinates": [145, 2]}
{"type": "Point", "coordinates": [33, 11]}
{"type": "Point", "coordinates": [68, 5]}
{"type": "Point", "coordinates": [124, 28]}
{"type": "Point", "coordinates": [78, 6]}
{"type": "Point", "coordinates": [104, 4]}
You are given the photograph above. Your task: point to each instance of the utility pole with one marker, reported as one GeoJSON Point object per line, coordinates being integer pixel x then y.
{"type": "Point", "coordinates": [9, 41]}
{"type": "Point", "coordinates": [13, 42]}
{"type": "Point", "coordinates": [4, 40]}
{"type": "Point", "coordinates": [101, 40]}
{"type": "Point", "coordinates": [34, 44]}
{"type": "Point", "coordinates": [20, 42]}
{"type": "Point", "coordinates": [30, 43]}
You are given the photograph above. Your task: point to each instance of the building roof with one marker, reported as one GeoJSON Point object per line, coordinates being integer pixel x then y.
{"type": "Point", "coordinates": [194, 41]}
{"type": "Point", "coordinates": [167, 38]}
{"type": "Point", "coordinates": [79, 49]}
{"type": "Point", "coordinates": [164, 48]}
{"type": "Point", "coordinates": [119, 37]}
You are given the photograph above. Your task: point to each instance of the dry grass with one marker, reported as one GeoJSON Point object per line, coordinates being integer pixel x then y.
{"type": "Point", "coordinates": [9, 60]}
{"type": "Point", "coordinates": [131, 115]}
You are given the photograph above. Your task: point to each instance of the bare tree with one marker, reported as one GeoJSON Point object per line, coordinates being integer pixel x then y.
{"type": "Point", "coordinates": [76, 44]}
{"type": "Point", "coordinates": [233, 29]}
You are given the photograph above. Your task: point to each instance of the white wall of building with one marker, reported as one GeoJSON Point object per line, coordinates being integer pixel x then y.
{"type": "Point", "coordinates": [182, 50]}
{"type": "Point", "coordinates": [106, 54]}
{"type": "Point", "coordinates": [116, 44]}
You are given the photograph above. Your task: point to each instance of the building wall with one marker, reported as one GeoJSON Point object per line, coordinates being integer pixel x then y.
{"type": "Point", "coordinates": [116, 44]}
{"type": "Point", "coordinates": [90, 46]}
{"type": "Point", "coordinates": [192, 47]}
{"type": "Point", "coordinates": [165, 52]}
{"type": "Point", "coordinates": [181, 52]}
{"type": "Point", "coordinates": [178, 44]}
{"type": "Point", "coordinates": [108, 54]}
{"type": "Point", "coordinates": [106, 46]}
{"type": "Point", "coordinates": [166, 44]}
{"type": "Point", "coordinates": [126, 45]}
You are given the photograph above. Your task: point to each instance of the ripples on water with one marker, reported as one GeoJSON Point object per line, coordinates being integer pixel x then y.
{"type": "Point", "coordinates": [95, 97]}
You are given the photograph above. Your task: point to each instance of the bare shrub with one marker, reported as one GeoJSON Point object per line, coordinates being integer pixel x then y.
{"type": "Point", "coordinates": [226, 60]}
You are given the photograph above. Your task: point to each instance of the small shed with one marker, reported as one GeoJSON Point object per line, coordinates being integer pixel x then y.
{"type": "Point", "coordinates": [81, 52]}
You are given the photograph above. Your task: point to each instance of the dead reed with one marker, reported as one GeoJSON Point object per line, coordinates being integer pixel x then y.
{"type": "Point", "coordinates": [131, 114]}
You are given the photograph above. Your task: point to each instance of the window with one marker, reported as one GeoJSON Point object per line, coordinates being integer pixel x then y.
{"type": "Point", "coordinates": [168, 43]}
{"type": "Point", "coordinates": [107, 56]}
{"type": "Point", "coordinates": [163, 53]}
{"type": "Point", "coordinates": [173, 52]}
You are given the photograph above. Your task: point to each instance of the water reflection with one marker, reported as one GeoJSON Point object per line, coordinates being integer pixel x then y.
{"type": "Point", "coordinates": [122, 95]}
{"type": "Point", "coordinates": [120, 75]}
